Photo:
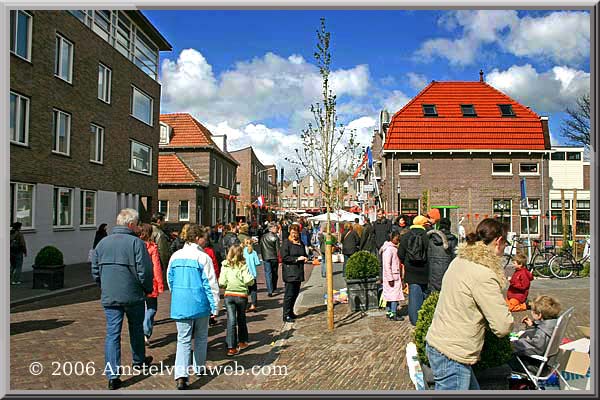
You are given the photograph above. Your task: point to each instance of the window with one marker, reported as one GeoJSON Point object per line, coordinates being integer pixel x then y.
{"type": "Point", "coordinates": [102, 24]}
{"type": "Point", "coordinates": [214, 211]}
{"type": "Point", "coordinates": [163, 207]}
{"type": "Point", "coordinates": [21, 204]}
{"type": "Point", "coordinates": [409, 207]}
{"type": "Point", "coordinates": [501, 168]}
{"type": "Point", "coordinates": [506, 110]}
{"type": "Point", "coordinates": [141, 106]}
{"type": "Point", "coordinates": [582, 220]}
{"type": "Point", "coordinates": [429, 110]}
{"type": "Point", "coordinates": [61, 130]}
{"type": "Point", "coordinates": [214, 169]}
{"type": "Point", "coordinates": [96, 143]}
{"type": "Point", "coordinates": [502, 208]}
{"type": "Point", "coordinates": [104, 83]}
{"type": "Point", "coordinates": [63, 63]}
{"type": "Point", "coordinates": [573, 156]}
{"type": "Point", "coordinates": [528, 169]}
{"type": "Point", "coordinates": [533, 214]}
{"type": "Point", "coordinates": [20, 34]}
{"type": "Point", "coordinates": [468, 110]}
{"type": "Point", "coordinates": [222, 174]}
{"type": "Point", "coordinates": [19, 119]}
{"type": "Point", "coordinates": [88, 208]}
{"type": "Point", "coordinates": [270, 178]}
{"type": "Point", "coordinates": [184, 210]}
{"type": "Point", "coordinates": [63, 207]}
{"type": "Point", "coordinates": [558, 156]}
{"type": "Point", "coordinates": [141, 158]}
{"type": "Point", "coordinates": [238, 188]}
{"type": "Point", "coordinates": [583, 217]}
{"type": "Point", "coordinates": [409, 169]}
{"type": "Point", "coordinates": [164, 133]}
{"type": "Point", "coordinates": [294, 188]}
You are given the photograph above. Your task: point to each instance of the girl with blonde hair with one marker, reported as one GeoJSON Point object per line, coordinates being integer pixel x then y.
{"type": "Point", "coordinates": [236, 278]}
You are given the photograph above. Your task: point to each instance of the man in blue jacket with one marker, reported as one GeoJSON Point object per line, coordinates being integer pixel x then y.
{"type": "Point", "coordinates": [122, 267]}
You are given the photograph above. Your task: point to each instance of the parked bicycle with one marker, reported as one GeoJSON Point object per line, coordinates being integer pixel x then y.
{"type": "Point", "coordinates": [539, 259]}
{"type": "Point", "coordinates": [563, 265]}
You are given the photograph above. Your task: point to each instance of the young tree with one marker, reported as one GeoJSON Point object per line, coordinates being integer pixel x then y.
{"type": "Point", "coordinates": [576, 128]}
{"type": "Point", "coordinates": [327, 148]}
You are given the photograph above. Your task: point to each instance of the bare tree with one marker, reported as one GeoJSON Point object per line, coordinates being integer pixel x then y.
{"type": "Point", "coordinates": [576, 128]}
{"type": "Point", "coordinates": [327, 148]}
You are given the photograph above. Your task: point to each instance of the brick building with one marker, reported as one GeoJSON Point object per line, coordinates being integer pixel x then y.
{"type": "Point", "coordinates": [196, 175]}
{"type": "Point", "coordinates": [463, 147]}
{"type": "Point", "coordinates": [84, 106]}
{"type": "Point", "coordinates": [254, 179]}
{"type": "Point", "coordinates": [305, 195]}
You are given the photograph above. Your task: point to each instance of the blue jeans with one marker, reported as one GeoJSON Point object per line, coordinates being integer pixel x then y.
{"type": "Point", "coordinates": [450, 374]}
{"type": "Point", "coordinates": [186, 328]}
{"type": "Point", "coordinates": [417, 293]}
{"type": "Point", "coordinates": [16, 266]}
{"type": "Point", "coordinates": [112, 344]}
{"type": "Point", "coordinates": [271, 276]}
{"type": "Point", "coordinates": [151, 307]}
{"type": "Point", "coordinates": [237, 328]}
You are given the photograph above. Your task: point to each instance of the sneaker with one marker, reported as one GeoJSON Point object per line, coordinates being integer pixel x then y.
{"type": "Point", "coordinates": [212, 321]}
{"type": "Point", "coordinates": [232, 352]}
{"type": "Point", "coordinates": [243, 345]}
{"type": "Point", "coordinates": [147, 340]}
{"type": "Point", "coordinates": [252, 308]}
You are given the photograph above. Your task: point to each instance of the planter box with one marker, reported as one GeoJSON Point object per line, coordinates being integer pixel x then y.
{"type": "Point", "coordinates": [49, 277]}
{"type": "Point", "coordinates": [362, 294]}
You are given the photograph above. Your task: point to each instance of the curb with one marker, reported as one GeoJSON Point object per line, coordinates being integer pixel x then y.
{"type": "Point", "coordinates": [55, 293]}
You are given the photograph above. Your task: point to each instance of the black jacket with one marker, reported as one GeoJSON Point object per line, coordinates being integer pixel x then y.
{"type": "Point", "coordinates": [350, 243]}
{"type": "Point", "coordinates": [367, 240]}
{"type": "Point", "coordinates": [413, 273]}
{"type": "Point", "coordinates": [226, 242]}
{"type": "Point", "coordinates": [440, 252]}
{"type": "Point", "coordinates": [292, 270]}
{"type": "Point", "coordinates": [269, 246]}
{"type": "Point", "coordinates": [99, 236]}
{"type": "Point", "coordinates": [177, 244]}
{"type": "Point", "coordinates": [382, 230]}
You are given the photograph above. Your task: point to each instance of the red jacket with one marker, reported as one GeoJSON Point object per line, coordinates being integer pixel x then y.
{"type": "Point", "coordinates": [211, 254]}
{"type": "Point", "coordinates": [519, 285]}
{"type": "Point", "coordinates": [158, 283]}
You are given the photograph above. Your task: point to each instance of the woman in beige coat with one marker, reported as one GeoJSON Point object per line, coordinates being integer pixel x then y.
{"type": "Point", "coordinates": [471, 299]}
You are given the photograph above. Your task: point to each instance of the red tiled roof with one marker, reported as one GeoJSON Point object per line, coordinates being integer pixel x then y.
{"type": "Point", "coordinates": [410, 130]}
{"type": "Point", "coordinates": [172, 170]}
{"type": "Point", "coordinates": [186, 131]}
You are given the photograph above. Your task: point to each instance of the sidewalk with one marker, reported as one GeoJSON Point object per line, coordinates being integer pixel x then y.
{"type": "Point", "coordinates": [77, 276]}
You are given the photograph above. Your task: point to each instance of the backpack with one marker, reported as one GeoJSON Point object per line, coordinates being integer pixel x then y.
{"type": "Point", "coordinates": [416, 248]}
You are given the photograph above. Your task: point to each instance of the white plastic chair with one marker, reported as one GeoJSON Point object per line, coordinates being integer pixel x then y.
{"type": "Point", "coordinates": [549, 362]}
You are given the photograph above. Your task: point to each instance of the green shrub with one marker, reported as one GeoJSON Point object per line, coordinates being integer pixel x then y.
{"type": "Point", "coordinates": [586, 269]}
{"type": "Point", "coordinates": [49, 255]}
{"type": "Point", "coordinates": [362, 265]}
{"type": "Point", "coordinates": [496, 351]}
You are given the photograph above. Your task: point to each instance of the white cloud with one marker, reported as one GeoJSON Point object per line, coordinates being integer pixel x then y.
{"type": "Point", "coordinates": [417, 81]}
{"type": "Point", "coordinates": [395, 101]}
{"type": "Point", "coordinates": [545, 92]}
{"type": "Point", "coordinates": [364, 128]}
{"type": "Point", "coordinates": [262, 88]}
{"type": "Point", "coordinates": [562, 36]}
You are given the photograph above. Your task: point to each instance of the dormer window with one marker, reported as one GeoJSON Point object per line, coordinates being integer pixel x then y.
{"type": "Point", "coordinates": [429, 110]}
{"type": "Point", "coordinates": [165, 133]}
{"type": "Point", "coordinates": [468, 110]}
{"type": "Point", "coordinates": [506, 110]}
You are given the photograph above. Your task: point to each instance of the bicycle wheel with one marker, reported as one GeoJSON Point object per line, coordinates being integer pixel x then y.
{"type": "Point", "coordinates": [561, 267]}
{"type": "Point", "coordinates": [541, 265]}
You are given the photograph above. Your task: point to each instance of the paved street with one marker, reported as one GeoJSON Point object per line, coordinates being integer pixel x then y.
{"type": "Point", "coordinates": [365, 352]}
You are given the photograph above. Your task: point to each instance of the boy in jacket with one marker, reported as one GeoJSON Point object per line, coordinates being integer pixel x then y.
{"type": "Point", "coordinates": [516, 296]}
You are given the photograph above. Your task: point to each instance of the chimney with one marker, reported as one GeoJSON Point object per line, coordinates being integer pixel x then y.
{"type": "Point", "coordinates": [546, 130]}
{"type": "Point", "coordinates": [480, 75]}
{"type": "Point", "coordinates": [221, 141]}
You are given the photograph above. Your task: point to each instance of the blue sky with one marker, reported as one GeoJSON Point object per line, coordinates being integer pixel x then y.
{"type": "Point", "coordinates": [251, 74]}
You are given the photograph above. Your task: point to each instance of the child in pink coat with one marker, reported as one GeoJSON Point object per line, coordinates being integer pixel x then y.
{"type": "Point", "coordinates": [392, 276]}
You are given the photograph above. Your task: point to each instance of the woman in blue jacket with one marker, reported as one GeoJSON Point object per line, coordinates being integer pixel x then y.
{"type": "Point", "coordinates": [252, 262]}
{"type": "Point", "coordinates": [194, 297]}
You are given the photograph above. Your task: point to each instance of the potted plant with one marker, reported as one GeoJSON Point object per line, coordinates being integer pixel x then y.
{"type": "Point", "coordinates": [362, 272]}
{"type": "Point", "coordinates": [491, 371]}
{"type": "Point", "coordinates": [49, 269]}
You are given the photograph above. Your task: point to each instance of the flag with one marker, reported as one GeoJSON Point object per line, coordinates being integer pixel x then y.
{"type": "Point", "coordinates": [524, 202]}
{"type": "Point", "coordinates": [362, 164]}
{"type": "Point", "coordinates": [260, 200]}
{"type": "Point", "coordinates": [369, 157]}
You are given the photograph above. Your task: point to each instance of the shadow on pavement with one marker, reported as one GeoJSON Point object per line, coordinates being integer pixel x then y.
{"type": "Point", "coordinates": [38, 325]}
{"type": "Point", "coordinates": [79, 296]}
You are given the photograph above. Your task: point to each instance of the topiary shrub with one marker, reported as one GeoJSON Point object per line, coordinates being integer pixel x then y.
{"type": "Point", "coordinates": [49, 255]}
{"type": "Point", "coordinates": [495, 352]}
{"type": "Point", "coordinates": [362, 265]}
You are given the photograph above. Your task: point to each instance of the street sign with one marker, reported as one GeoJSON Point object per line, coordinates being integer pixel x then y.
{"type": "Point", "coordinates": [368, 188]}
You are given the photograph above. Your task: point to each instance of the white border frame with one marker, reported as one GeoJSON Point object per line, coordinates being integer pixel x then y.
{"type": "Point", "coordinates": [55, 136]}
{"type": "Point", "coordinates": [400, 173]}
{"type": "Point", "coordinates": [530, 173]}
{"type": "Point", "coordinates": [167, 213]}
{"type": "Point", "coordinates": [33, 198]}
{"type": "Point", "coordinates": [59, 60]}
{"type": "Point", "coordinates": [133, 90]}
{"type": "Point", "coordinates": [502, 173]}
{"type": "Point", "coordinates": [29, 38]}
{"type": "Point", "coordinates": [109, 91]}
{"type": "Point", "coordinates": [72, 190]}
{"type": "Point", "coordinates": [82, 208]}
{"type": "Point", "coordinates": [17, 120]}
{"type": "Point", "coordinates": [131, 169]}
{"type": "Point", "coordinates": [101, 128]}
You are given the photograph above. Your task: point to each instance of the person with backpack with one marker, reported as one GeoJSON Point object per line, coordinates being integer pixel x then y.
{"type": "Point", "coordinates": [18, 250]}
{"type": "Point", "coordinates": [440, 253]}
{"type": "Point", "coordinates": [367, 240]}
{"type": "Point", "coordinates": [412, 252]}
{"type": "Point", "coordinates": [228, 239]}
